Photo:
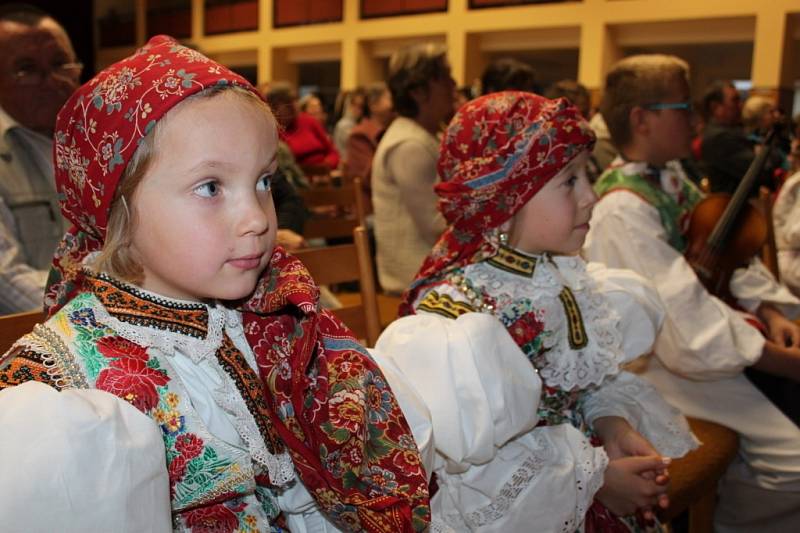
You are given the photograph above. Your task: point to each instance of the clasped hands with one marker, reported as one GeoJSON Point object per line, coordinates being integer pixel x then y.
{"type": "Point", "coordinates": [636, 478]}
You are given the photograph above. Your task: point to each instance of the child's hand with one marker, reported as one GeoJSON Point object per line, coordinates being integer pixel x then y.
{"type": "Point", "coordinates": [626, 486]}
{"type": "Point", "coordinates": [782, 331]}
{"type": "Point", "coordinates": [620, 439]}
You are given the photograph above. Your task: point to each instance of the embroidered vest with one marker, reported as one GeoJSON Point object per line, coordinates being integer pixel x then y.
{"type": "Point", "coordinates": [213, 484]}
{"type": "Point", "coordinates": [673, 213]}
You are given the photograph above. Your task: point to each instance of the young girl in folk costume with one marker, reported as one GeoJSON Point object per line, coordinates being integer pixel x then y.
{"type": "Point", "coordinates": [516, 344]}
{"type": "Point", "coordinates": [168, 294]}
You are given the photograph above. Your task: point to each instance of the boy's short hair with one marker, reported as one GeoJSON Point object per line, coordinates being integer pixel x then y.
{"type": "Point", "coordinates": [116, 257]}
{"type": "Point", "coordinates": [412, 68]}
{"type": "Point", "coordinates": [637, 81]}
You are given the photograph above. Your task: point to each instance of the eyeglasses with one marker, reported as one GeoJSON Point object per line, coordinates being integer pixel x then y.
{"type": "Point", "coordinates": [681, 106]}
{"type": "Point", "coordinates": [32, 75]}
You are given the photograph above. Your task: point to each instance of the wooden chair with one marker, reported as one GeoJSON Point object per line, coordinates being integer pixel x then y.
{"type": "Point", "coordinates": [348, 262]}
{"type": "Point", "coordinates": [694, 477]}
{"type": "Point", "coordinates": [348, 206]}
{"type": "Point", "coordinates": [12, 327]}
{"type": "Point", "coordinates": [769, 253]}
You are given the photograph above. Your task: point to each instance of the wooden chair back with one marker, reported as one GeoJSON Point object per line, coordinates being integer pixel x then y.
{"type": "Point", "coordinates": [348, 262]}
{"type": "Point", "coordinates": [12, 327]}
{"type": "Point", "coordinates": [769, 253]}
{"type": "Point", "coordinates": [348, 206]}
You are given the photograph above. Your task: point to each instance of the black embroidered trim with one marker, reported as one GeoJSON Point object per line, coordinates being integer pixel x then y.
{"type": "Point", "coordinates": [577, 332]}
{"type": "Point", "coordinates": [252, 390]}
{"type": "Point", "coordinates": [513, 261]}
{"type": "Point", "coordinates": [133, 306]}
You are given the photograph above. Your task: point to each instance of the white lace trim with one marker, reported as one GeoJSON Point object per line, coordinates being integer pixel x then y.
{"type": "Point", "coordinates": [228, 396]}
{"type": "Point", "coordinates": [168, 341]}
{"type": "Point", "coordinates": [567, 368]}
{"type": "Point", "coordinates": [589, 468]}
{"type": "Point", "coordinates": [660, 423]}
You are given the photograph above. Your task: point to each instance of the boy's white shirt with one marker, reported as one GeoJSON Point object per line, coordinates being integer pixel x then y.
{"type": "Point", "coordinates": [703, 338]}
{"type": "Point", "coordinates": [496, 470]}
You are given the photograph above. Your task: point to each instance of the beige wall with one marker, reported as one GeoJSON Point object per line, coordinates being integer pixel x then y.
{"type": "Point", "coordinates": [755, 39]}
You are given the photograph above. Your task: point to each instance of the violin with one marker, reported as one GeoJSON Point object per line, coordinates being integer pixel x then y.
{"type": "Point", "coordinates": [726, 231]}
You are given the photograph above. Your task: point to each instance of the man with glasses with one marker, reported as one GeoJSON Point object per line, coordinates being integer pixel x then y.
{"type": "Point", "coordinates": [38, 72]}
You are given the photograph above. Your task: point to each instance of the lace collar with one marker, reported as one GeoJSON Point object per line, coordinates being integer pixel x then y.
{"type": "Point", "coordinates": [149, 319]}
{"type": "Point", "coordinates": [582, 343]}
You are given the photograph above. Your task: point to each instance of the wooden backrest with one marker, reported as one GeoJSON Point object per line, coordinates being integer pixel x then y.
{"type": "Point", "coordinates": [348, 262]}
{"type": "Point", "coordinates": [12, 327]}
{"type": "Point", "coordinates": [769, 253]}
{"type": "Point", "coordinates": [348, 206]}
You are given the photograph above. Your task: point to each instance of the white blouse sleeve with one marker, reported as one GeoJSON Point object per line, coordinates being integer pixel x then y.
{"type": "Point", "coordinates": [80, 460]}
{"type": "Point", "coordinates": [641, 314]}
{"type": "Point", "coordinates": [496, 470]}
{"type": "Point", "coordinates": [702, 337]}
{"type": "Point", "coordinates": [636, 301]}
{"type": "Point", "coordinates": [479, 387]}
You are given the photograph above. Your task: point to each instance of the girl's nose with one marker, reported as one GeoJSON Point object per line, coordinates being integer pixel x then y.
{"type": "Point", "coordinates": [254, 215]}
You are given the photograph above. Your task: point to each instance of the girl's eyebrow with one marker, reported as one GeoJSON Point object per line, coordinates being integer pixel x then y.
{"type": "Point", "coordinates": [210, 163]}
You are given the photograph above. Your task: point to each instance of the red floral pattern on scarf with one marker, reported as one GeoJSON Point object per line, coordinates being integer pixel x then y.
{"type": "Point", "coordinates": [354, 456]}
{"type": "Point", "coordinates": [497, 152]}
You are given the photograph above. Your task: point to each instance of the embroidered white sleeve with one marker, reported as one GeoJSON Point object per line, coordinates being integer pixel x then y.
{"type": "Point", "coordinates": [638, 402]}
{"type": "Point", "coordinates": [548, 477]}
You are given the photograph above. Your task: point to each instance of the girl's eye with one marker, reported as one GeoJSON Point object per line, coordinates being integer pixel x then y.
{"type": "Point", "coordinates": [208, 189]}
{"type": "Point", "coordinates": [571, 181]}
{"type": "Point", "coordinates": [264, 182]}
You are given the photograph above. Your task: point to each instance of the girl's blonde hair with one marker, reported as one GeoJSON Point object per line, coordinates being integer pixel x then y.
{"type": "Point", "coordinates": [117, 257]}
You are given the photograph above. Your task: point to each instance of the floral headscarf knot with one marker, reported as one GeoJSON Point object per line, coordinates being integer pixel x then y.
{"type": "Point", "coordinates": [497, 153]}
{"type": "Point", "coordinates": [97, 132]}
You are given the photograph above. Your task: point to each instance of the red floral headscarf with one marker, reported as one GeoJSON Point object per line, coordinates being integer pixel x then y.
{"type": "Point", "coordinates": [363, 469]}
{"type": "Point", "coordinates": [497, 152]}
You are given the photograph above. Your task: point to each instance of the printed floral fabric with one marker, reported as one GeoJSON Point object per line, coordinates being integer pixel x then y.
{"type": "Point", "coordinates": [348, 438]}
{"type": "Point", "coordinates": [340, 421]}
{"type": "Point", "coordinates": [497, 152]}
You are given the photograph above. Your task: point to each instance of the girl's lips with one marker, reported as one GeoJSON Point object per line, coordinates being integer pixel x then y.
{"type": "Point", "coordinates": [246, 263]}
{"type": "Point", "coordinates": [585, 226]}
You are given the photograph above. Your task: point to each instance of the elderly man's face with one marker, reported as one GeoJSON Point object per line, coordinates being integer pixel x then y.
{"type": "Point", "coordinates": [34, 101]}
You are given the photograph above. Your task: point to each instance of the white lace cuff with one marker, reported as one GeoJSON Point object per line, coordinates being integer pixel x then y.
{"type": "Point", "coordinates": [627, 396]}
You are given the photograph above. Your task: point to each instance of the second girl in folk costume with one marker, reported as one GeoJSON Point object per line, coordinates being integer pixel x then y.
{"type": "Point", "coordinates": [516, 344]}
{"type": "Point", "coordinates": [168, 295]}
